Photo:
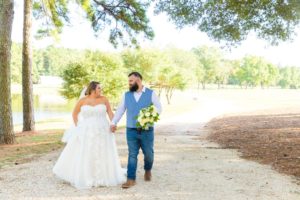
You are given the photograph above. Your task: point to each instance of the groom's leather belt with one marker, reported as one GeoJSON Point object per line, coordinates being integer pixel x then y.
{"type": "Point", "coordinates": [139, 130]}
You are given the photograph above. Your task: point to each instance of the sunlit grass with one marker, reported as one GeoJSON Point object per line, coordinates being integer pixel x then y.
{"type": "Point", "coordinates": [29, 146]}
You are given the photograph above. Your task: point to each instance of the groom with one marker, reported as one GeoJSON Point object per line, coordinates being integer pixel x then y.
{"type": "Point", "coordinates": [137, 98]}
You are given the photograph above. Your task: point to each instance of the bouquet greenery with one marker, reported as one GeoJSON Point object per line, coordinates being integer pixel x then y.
{"type": "Point", "coordinates": [147, 117]}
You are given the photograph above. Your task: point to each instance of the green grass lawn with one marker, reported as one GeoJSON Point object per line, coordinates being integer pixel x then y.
{"type": "Point", "coordinates": [29, 146]}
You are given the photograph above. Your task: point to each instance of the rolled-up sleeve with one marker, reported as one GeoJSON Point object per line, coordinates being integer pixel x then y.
{"type": "Point", "coordinates": [156, 102]}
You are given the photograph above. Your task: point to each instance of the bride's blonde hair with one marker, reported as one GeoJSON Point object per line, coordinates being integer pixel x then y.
{"type": "Point", "coordinates": [91, 87]}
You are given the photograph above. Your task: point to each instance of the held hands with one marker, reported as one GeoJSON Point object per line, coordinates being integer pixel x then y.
{"type": "Point", "coordinates": [113, 128]}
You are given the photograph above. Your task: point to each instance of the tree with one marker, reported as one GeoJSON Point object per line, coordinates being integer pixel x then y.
{"type": "Point", "coordinates": [144, 61]}
{"type": "Point", "coordinates": [210, 59]}
{"type": "Point", "coordinates": [52, 62]}
{"type": "Point", "coordinates": [223, 70]}
{"type": "Point", "coordinates": [55, 11]}
{"type": "Point", "coordinates": [234, 69]}
{"type": "Point", "coordinates": [184, 61]}
{"type": "Point", "coordinates": [248, 73]}
{"type": "Point", "coordinates": [199, 74]}
{"type": "Point", "coordinates": [109, 70]}
{"type": "Point", "coordinates": [75, 76]}
{"type": "Point", "coordinates": [16, 64]}
{"type": "Point", "coordinates": [27, 90]}
{"type": "Point", "coordinates": [103, 67]}
{"type": "Point", "coordinates": [6, 20]}
{"type": "Point", "coordinates": [289, 77]}
{"type": "Point", "coordinates": [231, 21]}
{"type": "Point", "coordinates": [268, 74]}
{"type": "Point", "coordinates": [170, 79]}
{"type": "Point", "coordinates": [51, 16]}
{"type": "Point", "coordinates": [128, 17]}
{"type": "Point", "coordinates": [254, 71]}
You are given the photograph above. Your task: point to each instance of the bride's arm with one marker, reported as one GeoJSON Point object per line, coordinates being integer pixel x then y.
{"type": "Point", "coordinates": [76, 111]}
{"type": "Point", "coordinates": [108, 108]}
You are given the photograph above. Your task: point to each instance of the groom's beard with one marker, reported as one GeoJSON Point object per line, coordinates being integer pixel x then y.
{"type": "Point", "coordinates": [134, 87]}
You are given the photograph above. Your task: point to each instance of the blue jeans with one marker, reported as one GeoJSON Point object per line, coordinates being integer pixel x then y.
{"type": "Point", "coordinates": [135, 141]}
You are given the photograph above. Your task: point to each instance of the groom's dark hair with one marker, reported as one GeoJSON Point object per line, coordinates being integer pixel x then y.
{"type": "Point", "coordinates": [136, 74]}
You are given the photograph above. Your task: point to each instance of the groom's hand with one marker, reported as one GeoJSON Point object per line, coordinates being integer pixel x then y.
{"type": "Point", "coordinates": [113, 128]}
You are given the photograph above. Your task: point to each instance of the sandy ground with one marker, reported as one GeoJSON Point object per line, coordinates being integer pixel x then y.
{"type": "Point", "coordinates": [187, 166]}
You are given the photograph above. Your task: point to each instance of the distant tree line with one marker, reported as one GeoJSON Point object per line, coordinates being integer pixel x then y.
{"type": "Point", "coordinates": [166, 69]}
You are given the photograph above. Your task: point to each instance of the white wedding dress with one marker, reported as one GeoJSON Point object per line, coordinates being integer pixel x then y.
{"type": "Point", "coordinates": [90, 158]}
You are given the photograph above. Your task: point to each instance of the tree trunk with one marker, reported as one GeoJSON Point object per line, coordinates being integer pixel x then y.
{"type": "Point", "coordinates": [171, 93]}
{"type": "Point", "coordinates": [167, 96]}
{"type": "Point", "coordinates": [159, 90]}
{"type": "Point", "coordinates": [6, 124]}
{"type": "Point", "coordinates": [28, 112]}
{"type": "Point", "coordinates": [203, 85]}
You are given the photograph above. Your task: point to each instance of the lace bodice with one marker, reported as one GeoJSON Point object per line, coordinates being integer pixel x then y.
{"type": "Point", "coordinates": [97, 111]}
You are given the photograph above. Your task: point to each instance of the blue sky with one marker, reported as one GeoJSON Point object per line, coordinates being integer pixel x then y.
{"type": "Point", "coordinates": [81, 36]}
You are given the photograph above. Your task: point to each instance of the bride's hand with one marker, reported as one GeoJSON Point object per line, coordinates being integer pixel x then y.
{"type": "Point", "coordinates": [113, 128]}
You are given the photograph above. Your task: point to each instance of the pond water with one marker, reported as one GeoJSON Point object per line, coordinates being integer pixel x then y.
{"type": "Point", "coordinates": [46, 107]}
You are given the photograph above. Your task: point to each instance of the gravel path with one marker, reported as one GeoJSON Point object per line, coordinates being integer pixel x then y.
{"type": "Point", "coordinates": [186, 167]}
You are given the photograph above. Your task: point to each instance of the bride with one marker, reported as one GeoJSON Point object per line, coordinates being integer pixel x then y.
{"type": "Point", "coordinates": [90, 157]}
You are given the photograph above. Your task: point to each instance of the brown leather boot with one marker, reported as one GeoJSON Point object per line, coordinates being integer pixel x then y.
{"type": "Point", "coordinates": [129, 183]}
{"type": "Point", "coordinates": [147, 175]}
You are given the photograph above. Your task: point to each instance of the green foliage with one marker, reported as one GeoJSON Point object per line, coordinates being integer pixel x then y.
{"type": "Point", "coordinates": [256, 71]}
{"type": "Point", "coordinates": [233, 78]}
{"type": "Point", "coordinates": [51, 15]}
{"type": "Point", "coordinates": [16, 63]}
{"type": "Point", "coordinates": [103, 67]}
{"type": "Point", "coordinates": [183, 61]}
{"type": "Point", "coordinates": [126, 16]}
{"type": "Point", "coordinates": [223, 71]}
{"type": "Point", "coordinates": [269, 75]}
{"type": "Point", "coordinates": [289, 77]}
{"type": "Point", "coordinates": [144, 61]}
{"type": "Point", "coordinates": [54, 60]}
{"type": "Point", "coordinates": [166, 70]}
{"type": "Point", "coordinates": [50, 61]}
{"type": "Point", "coordinates": [231, 20]}
{"type": "Point", "coordinates": [109, 70]}
{"type": "Point", "coordinates": [248, 74]}
{"type": "Point", "coordinates": [170, 79]}
{"type": "Point", "coordinates": [210, 62]}
{"type": "Point", "coordinates": [75, 77]}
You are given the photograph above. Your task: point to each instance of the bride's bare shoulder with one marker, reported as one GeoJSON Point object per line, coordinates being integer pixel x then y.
{"type": "Point", "coordinates": [82, 100]}
{"type": "Point", "coordinates": [103, 98]}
